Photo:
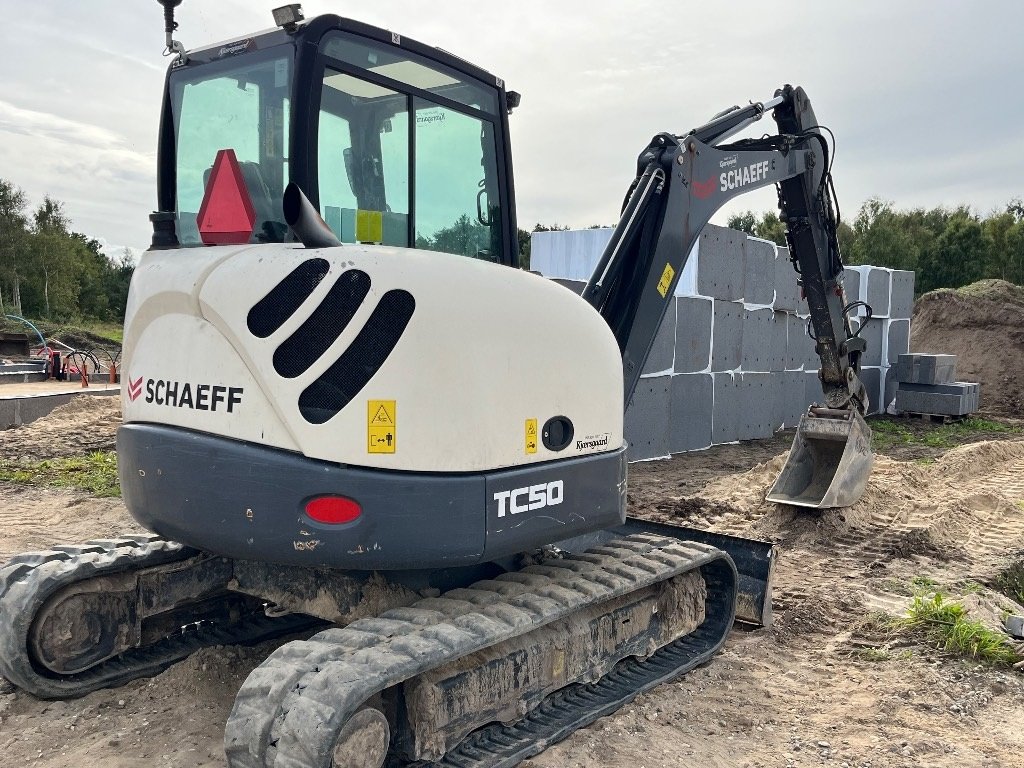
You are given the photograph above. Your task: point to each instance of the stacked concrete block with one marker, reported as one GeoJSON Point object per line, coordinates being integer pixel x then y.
{"type": "Point", "coordinates": [727, 336]}
{"type": "Point", "coordinates": [663, 351]}
{"type": "Point", "coordinates": [733, 359]}
{"type": "Point", "coordinates": [694, 321]}
{"type": "Point", "coordinates": [646, 429]}
{"type": "Point", "coordinates": [720, 263]}
{"type": "Point", "coordinates": [926, 385]}
{"type": "Point", "coordinates": [692, 408]}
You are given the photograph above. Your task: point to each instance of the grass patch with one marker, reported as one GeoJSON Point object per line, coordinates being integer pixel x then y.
{"type": "Point", "coordinates": [1011, 582]}
{"type": "Point", "coordinates": [886, 433]}
{"type": "Point", "coordinates": [96, 473]}
{"type": "Point", "coordinates": [945, 623]}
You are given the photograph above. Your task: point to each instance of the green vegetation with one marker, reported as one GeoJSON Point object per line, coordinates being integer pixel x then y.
{"type": "Point", "coordinates": [49, 271]}
{"type": "Point", "coordinates": [1011, 582]}
{"type": "Point", "coordinates": [887, 433]}
{"type": "Point", "coordinates": [96, 473]}
{"type": "Point", "coordinates": [946, 624]}
{"type": "Point", "coordinates": [947, 247]}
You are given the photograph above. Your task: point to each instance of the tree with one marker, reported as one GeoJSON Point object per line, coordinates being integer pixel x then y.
{"type": "Point", "coordinates": [956, 258]}
{"type": "Point", "coordinates": [13, 236]}
{"type": "Point", "coordinates": [744, 222]}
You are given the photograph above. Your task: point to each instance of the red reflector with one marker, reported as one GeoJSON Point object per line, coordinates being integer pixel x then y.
{"type": "Point", "coordinates": [227, 215]}
{"type": "Point", "coordinates": [333, 510]}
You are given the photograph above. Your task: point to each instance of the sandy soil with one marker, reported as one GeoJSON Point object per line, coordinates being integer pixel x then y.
{"type": "Point", "coordinates": [801, 693]}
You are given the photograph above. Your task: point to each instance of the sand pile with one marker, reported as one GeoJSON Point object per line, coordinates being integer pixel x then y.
{"type": "Point", "coordinates": [85, 424]}
{"type": "Point", "coordinates": [983, 325]}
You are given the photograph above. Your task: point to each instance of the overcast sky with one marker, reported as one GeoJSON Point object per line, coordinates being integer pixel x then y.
{"type": "Point", "coordinates": [924, 97]}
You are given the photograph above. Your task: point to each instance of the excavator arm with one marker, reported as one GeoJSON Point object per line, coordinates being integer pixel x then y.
{"type": "Point", "coordinates": [681, 182]}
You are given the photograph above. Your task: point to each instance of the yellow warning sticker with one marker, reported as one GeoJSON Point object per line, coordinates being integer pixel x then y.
{"type": "Point", "coordinates": [531, 435]}
{"type": "Point", "coordinates": [381, 426]}
{"type": "Point", "coordinates": [369, 226]}
{"type": "Point", "coordinates": [666, 280]}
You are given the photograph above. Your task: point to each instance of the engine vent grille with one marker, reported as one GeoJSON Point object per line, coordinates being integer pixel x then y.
{"type": "Point", "coordinates": [272, 310]}
{"type": "Point", "coordinates": [309, 342]}
{"type": "Point", "coordinates": [325, 397]}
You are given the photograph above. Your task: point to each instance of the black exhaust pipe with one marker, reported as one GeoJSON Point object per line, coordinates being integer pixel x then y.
{"type": "Point", "coordinates": [305, 221]}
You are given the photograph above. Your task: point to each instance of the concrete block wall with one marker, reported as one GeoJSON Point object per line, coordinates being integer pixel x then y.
{"type": "Point", "coordinates": [733, 359]}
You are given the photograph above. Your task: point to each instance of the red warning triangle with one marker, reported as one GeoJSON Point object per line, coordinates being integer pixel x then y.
{"type": "Point", "coordinates": [227, 215]}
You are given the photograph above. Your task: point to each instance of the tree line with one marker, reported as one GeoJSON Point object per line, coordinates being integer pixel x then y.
{"type": "Point", "coordinates": [49, 271]}
{"type": "Point", "coordinates": [946, 247]}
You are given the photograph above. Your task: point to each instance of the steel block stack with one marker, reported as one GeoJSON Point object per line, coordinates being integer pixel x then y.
{"type": "Point", "coordinates": [733, 359]}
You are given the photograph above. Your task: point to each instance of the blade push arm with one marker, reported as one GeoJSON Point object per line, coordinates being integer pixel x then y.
{"type": "Point", "coordinates": [681, 182]}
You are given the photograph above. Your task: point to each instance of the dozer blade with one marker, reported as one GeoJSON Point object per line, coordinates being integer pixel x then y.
{"type": "Point", "coordinates": [829, 463]}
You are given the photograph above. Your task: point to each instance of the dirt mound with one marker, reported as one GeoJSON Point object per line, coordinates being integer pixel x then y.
{"type": "Point", "coordinates": [85, 424]}
{"type": "Point", "coordinates": [983, 325]}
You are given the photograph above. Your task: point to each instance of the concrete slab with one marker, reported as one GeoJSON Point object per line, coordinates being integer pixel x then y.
{"type": "Point", "coordinates": [851, 284]}
{"type": "Point", "coordinates": [934, 402]}
{"type": "Point", "coordinates": [872, 379]}
{"type": "Point", "coordinates": [647, 419]}
{"type": "Point", "coordinates": [759, 274]}
{"type": "Point", "coordinates": [693, 334]}
{"type": "Point", "coordinates": [727, 346]}
{"type": "Point", "coordinates": [798, 344]}
{"type": "Point", "coordinates": [922, 368]}
{"type": "Point", "coordinates": [873, 333]}
{"type": "Point", "coordinates": [663, 351]}
{"type": "Point", "coordinates": [787, 292]}
{"type": "Point", "coordinates": [757, 339]}
{"type": "Point", "coordinates": [793, 396]}
{"type": "Point", "coordinates": [757, 408]}
{"type": "Point", "coordinates": [878, 291]}
{"type": "Point", "coordinates": [901, 298]}
{"type": "Point", "coordinates": [812, 389]}
{"type": "Point", "coordinates": [720, 269]}
{"type": "Point", "coordinates": [779, 341]}
{"type": "Point", "coordinates": [725, 416]}
{"type": "Point", "coordinates": [693, 396]}
{"type": "Point", "coordinates": [898, 339]}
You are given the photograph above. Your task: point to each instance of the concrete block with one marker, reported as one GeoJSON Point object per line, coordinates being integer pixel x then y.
{"type": "Point", "coordinates": [877, 295]}
{"type": "Point", "coordinates": [663, 350]}
{"type": "Point", "coordinates": [787, 292]}
{"type": "Point", "coordinates": [933, 402]}
{"type": "Point", "coordinates": [793, 396]}
{"type": "Point", "coordinates": [693, 334]}
{"type": "Point", "coordinates": [576, 286]}
{"type": "Point", "coordinates": [757, 339]}
{"type": "Point", "coordinates": [798, 343]}
{"type": "Point", "coordinates": [647, 418]}
{"type": "Point", "coordinates": [759, 275]}
{"type": "Point", "coordinates": [693, 396]}
{"type": "Point", "coordinates": [891, 384]}
{"type": "Point", "coordinates": [872, 380]}
{"type": "Point", "coordinates": [812, 389]}
{"type": "Point", "coordinates": [897, 340]}
{"type": "Point", "coordinates": [757, 408]}
{"type": "Point", "coordinates": [920, 368]}
{"type": "Point", "coordinates": [720, 268]}
{"type": "Point", "coordinates": [779, 341]}
{"type": "Point", "coordinates": [873, 333]}
{"type": "Point", "coordinates": [725, 416]}
{"type": "Point", "coordinates": [851, 284]}
{"type": "Point", "coordinates": [727, 335]}
{"type": "Point", "coordinates": [901, 297]}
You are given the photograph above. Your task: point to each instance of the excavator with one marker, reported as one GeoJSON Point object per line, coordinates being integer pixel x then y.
{"type": "Point", "coordinates": [349, 416]}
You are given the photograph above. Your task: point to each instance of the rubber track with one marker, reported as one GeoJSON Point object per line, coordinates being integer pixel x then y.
{"type": "Point", "coordinates": [27, 580]}
{"type": "Point", "coordinates": [289, 709]}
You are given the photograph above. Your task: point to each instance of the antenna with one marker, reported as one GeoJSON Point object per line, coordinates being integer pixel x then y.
{"type": "Point", "coordinates": [170, 25]}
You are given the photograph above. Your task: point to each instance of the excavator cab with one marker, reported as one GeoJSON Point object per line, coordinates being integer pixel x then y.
{"type": "Point", "coordinates": [391, 144]}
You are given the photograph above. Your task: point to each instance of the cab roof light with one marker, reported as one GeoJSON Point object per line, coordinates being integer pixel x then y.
{"type": "Point", "coordinates": [288, 17]}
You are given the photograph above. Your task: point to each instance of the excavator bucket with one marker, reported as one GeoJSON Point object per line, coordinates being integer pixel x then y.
{"type": "Point", "coordinates": [829, 463]}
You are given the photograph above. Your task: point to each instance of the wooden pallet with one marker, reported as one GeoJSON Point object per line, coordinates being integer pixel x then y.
{"type": "Point", "coordinates": [934, 418]}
